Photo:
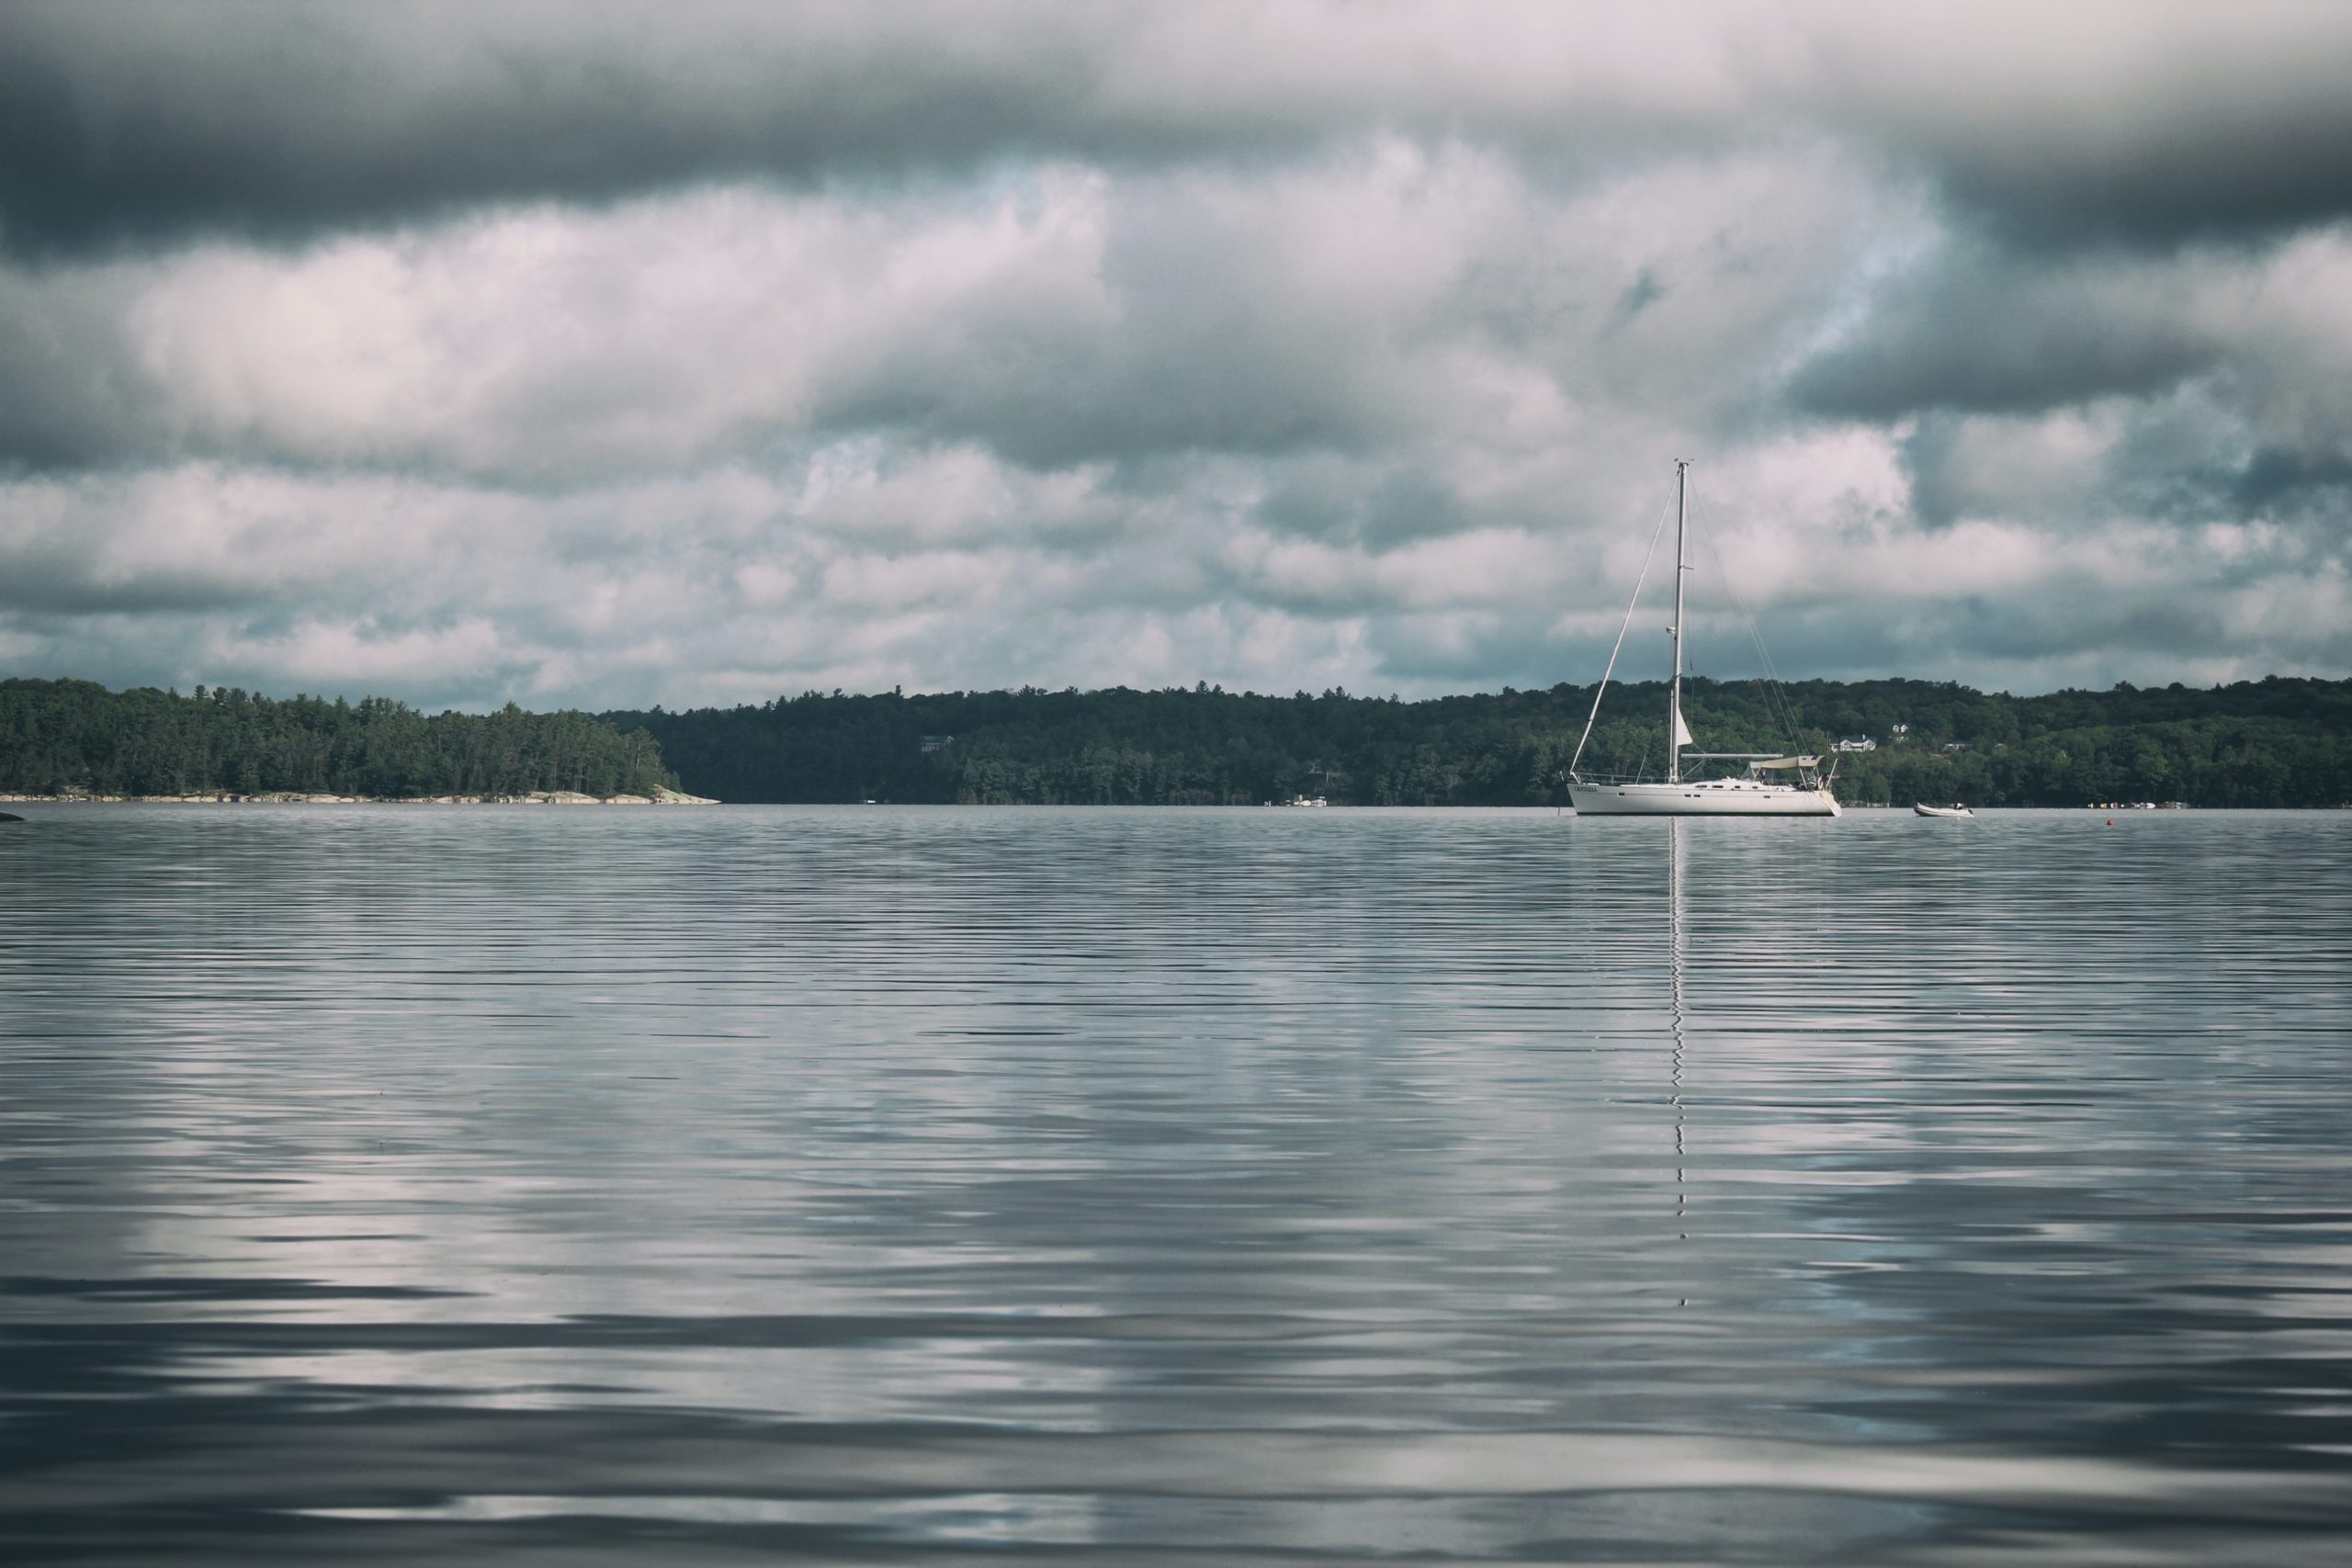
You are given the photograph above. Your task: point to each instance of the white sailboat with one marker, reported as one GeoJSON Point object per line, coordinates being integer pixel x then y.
{"type": "Point", "coordinates": [1774, 784]}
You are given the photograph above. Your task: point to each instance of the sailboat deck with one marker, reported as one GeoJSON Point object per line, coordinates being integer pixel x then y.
{"type": "Point", "coordinates": [1711, 797]}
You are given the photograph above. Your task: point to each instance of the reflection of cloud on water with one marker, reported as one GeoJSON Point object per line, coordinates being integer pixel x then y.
{"type": "Point", "coordinates": [2026, 1143]}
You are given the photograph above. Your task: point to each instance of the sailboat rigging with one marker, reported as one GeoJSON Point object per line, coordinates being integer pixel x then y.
{"type": "Point", "coordinates": [1775, 784]}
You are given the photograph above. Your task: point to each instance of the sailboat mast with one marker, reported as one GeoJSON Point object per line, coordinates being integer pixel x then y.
{"type": "Point", "coordinates": [1674, 731]}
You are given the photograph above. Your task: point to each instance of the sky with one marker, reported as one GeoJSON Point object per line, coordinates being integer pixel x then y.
{"type": "Point", "coordinates": [605, 355]}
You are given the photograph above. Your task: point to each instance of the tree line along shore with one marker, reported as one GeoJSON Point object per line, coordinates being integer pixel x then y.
{"type": "Point", "coordinates": [77, 739]}
{"type": "Point", "coordinates": [2279, 741]}
{"type": "Point", "coordinates": [293, 797]}
{"type": "Point", "coordinates": [2276, 742]}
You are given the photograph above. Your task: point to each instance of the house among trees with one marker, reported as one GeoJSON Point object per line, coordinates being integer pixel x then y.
{"type": "Point", "coordinates": [1854, 743]}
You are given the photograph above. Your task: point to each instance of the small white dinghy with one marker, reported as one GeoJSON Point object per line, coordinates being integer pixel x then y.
{"type": "Point", "coordinates": [1955, 809]}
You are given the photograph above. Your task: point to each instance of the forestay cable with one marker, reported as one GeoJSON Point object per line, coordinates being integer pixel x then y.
{"type": "Point", "coordinates": [1623, 628]}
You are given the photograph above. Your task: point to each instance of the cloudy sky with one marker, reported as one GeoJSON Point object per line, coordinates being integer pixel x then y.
{"type": "Point", "coordinates": [613, 355]}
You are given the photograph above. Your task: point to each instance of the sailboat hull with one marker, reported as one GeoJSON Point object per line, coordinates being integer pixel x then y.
{"type": "Point", "coordinates": [1715, 798]}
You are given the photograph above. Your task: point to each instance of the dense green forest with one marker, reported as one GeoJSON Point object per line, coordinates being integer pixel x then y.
{"type": "Point", "coordinates": [2272, 742]}
{"type": "Point", "coordinates": [69, 736]}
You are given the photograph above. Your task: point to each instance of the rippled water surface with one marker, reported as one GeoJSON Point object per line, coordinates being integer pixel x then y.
{"type": "Point", "coordinates": [528, 1185]}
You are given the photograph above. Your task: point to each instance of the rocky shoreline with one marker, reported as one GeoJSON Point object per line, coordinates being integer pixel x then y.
{"type": "Point", "coordinates": [292, 797]}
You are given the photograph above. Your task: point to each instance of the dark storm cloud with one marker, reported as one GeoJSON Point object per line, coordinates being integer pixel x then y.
{"type": "Point", "coordinates": [1985, 331]}
{"type": "Point", "coordinates": [142, 122]}
{"type": "Point", "coordinates": [54, 589]}
{"type": "Point", "coordinates": [2274, 481]}
{"type": "Point", "coordinates": [69, 397]}
{"type": "Point", "coordinates": [2206, 180]}
{"type": "Point", "coordinates": [2188, 460]}
{"type": "Point", "coordinates": [2100, 123]}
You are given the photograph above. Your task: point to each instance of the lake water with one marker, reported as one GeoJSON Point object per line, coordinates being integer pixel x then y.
{"type": "Point", "coordinates": [536, 1186]}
